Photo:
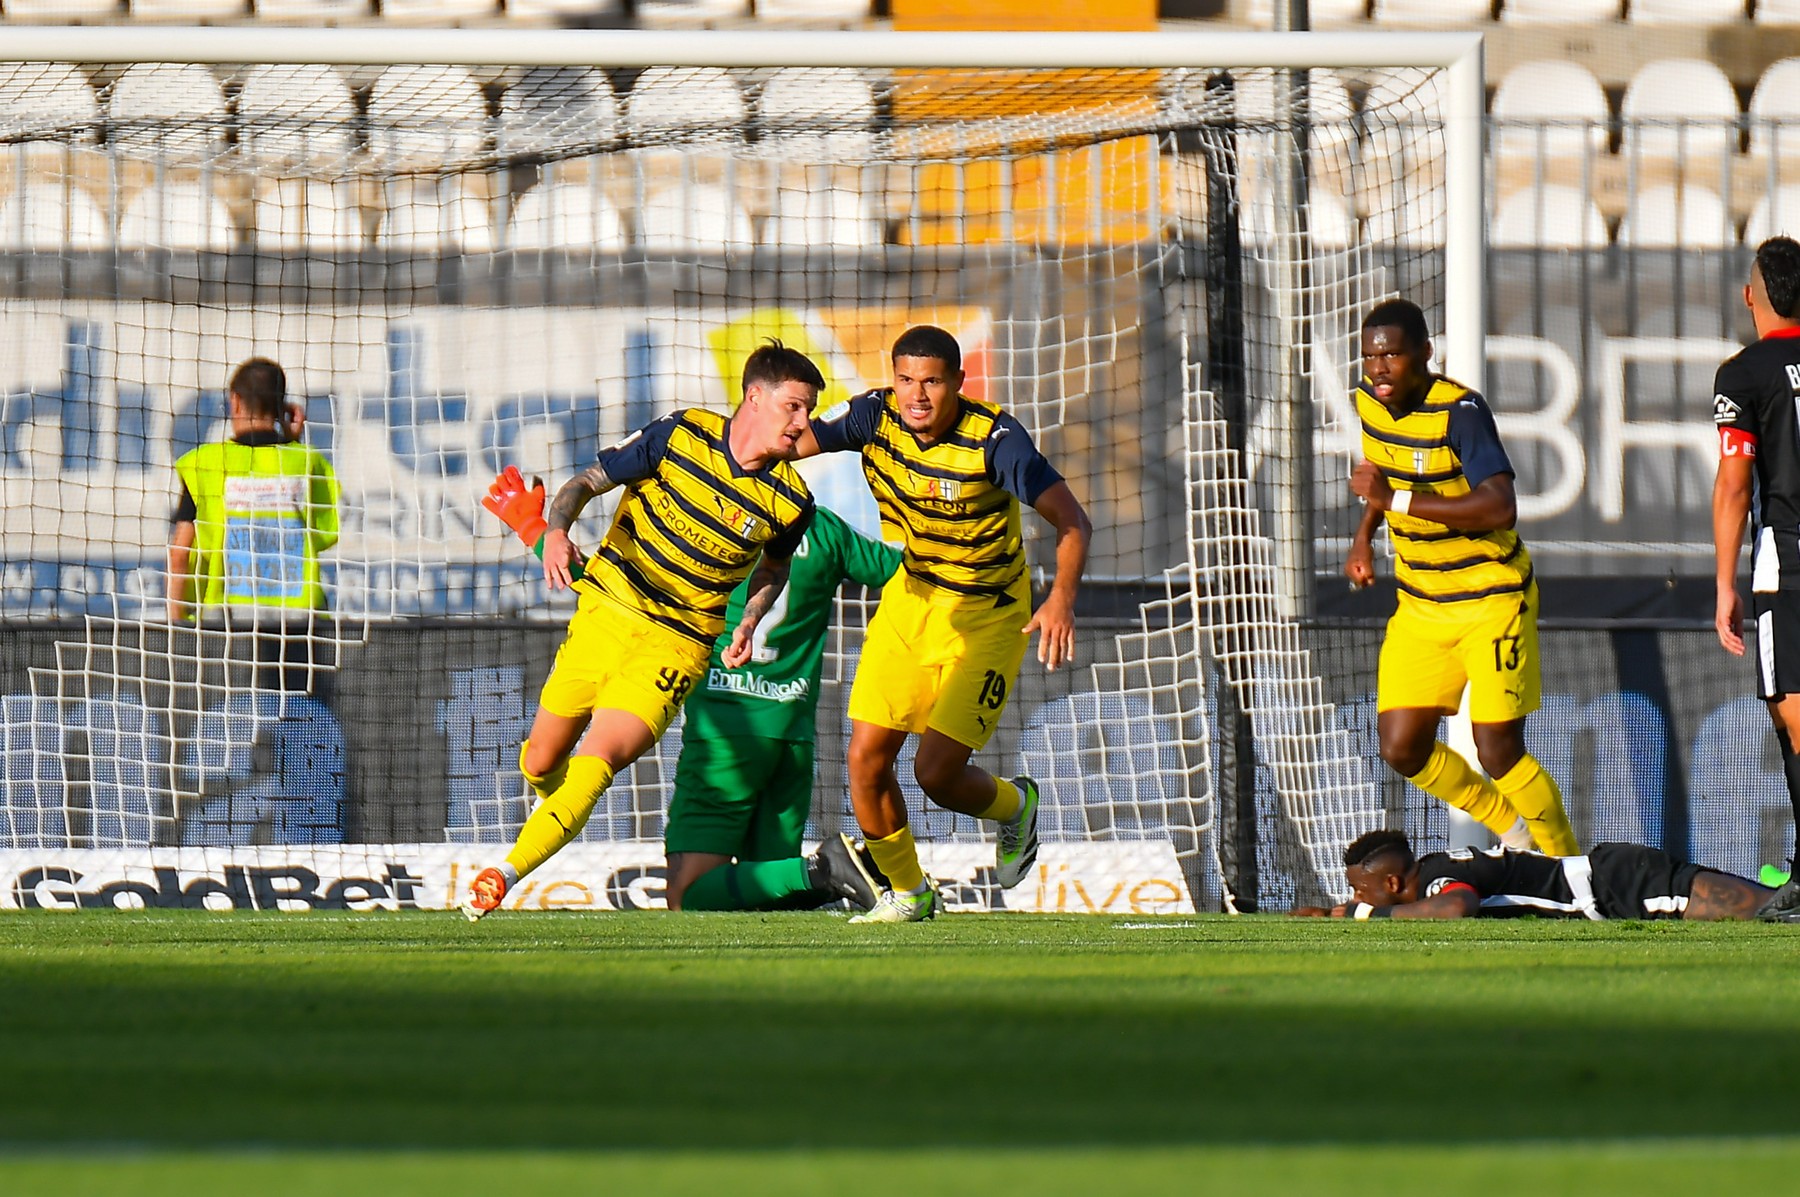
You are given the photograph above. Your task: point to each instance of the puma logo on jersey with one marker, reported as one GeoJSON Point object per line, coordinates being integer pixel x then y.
{"type": "Point", "coordinates": [1726, 410]}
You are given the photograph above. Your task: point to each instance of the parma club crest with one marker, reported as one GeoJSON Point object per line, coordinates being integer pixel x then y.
{"type": "Point", "coordinates": [944, 490]}
{"type": "Point", "coordinates": [736, 517]}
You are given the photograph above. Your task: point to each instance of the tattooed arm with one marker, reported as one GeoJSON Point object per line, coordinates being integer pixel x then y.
{"type": "Point", "coordinates": [766, 581]}
{"type": "Point", "coordinates": [571, 497]}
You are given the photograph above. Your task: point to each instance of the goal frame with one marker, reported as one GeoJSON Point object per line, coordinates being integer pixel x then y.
{"type": "Point", "coordinates": [1460, 55]}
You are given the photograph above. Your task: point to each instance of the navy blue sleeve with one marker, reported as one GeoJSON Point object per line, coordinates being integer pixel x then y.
{"type": "Point", "coordinates": [853, 427]}
{"type": "Point", "coordinates": [1477, 441]}
{"type": "Point", "coordinates": [786, 542]}
{"type": "Point", "coordinates": [637, 456]}
{"type": "Point", "coordinates": [1014, 463]}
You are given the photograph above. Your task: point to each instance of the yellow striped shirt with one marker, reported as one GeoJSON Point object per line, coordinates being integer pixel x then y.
{"type": "Point", "coordinates": [1435, 449]}
{"type": "Point", "coordinates": [692, 522]}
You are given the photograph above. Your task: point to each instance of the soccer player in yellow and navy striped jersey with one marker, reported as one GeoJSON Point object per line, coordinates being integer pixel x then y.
{"type": "Point", "coordinates": [710, 500]}
{"type": "Point", "coordinates": [948, 473]}
{"type": "Point", "coordinates": [1467, 613]}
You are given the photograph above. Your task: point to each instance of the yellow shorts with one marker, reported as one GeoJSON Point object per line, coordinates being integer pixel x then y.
{"type": "Point", "coordinates": [949, 669]}
{"type": "Point", "coordinates": [614, 659]}
{"type": "Point", "coordinates": [1492, 646]}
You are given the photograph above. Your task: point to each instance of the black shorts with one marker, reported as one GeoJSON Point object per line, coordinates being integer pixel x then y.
{"type": "Point", "coordinates": [1777, 617]}
{"type": "Point", "coordinates": [1635, 882]}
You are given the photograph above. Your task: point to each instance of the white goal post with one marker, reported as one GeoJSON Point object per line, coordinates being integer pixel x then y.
{"type": "Point", "coordinates": [1153, 246]}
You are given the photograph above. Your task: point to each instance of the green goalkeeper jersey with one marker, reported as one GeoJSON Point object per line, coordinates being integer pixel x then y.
{"type": "Point", "coordinates": [776, 693]}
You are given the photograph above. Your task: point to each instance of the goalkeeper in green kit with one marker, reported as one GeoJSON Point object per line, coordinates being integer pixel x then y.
{"type": "Point", "coordinates": [744, 782]}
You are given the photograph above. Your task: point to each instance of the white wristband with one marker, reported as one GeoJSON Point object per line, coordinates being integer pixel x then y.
{"type": "Point", "coordinates": [1401, 502]}
{"type": "Point", "coordinates": [1362, 910]}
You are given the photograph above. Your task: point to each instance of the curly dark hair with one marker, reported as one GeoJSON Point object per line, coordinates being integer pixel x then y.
{"type": "Point", "coordinates": [1778, 261]}
{"type": "Point", "coordinates": [1371, 844]}
{"type": "Point", "coordinates": [1403, 314]}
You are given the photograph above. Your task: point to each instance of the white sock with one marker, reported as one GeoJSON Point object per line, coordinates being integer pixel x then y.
{"type": "Point", "coordinates": [511, 874]}
{"type": "Point", "coordinates": [1518, 838]}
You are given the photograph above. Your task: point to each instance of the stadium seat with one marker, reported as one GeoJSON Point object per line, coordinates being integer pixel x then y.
{"type": "Point", "coordinates": [295, 114]}
{"type": "Point", "coordinates": [194, 10]}
{"type": "Point", "coordinates": [1321, 14]}
{"type": "Point", "coordinates": [49, 101]}
{"type": "Point", "coordinates": [566, 216]}
{"type": "Point", "coordinates": [305, 214]}
{"type": "Point", "coordinates": [54, 12]}
{"type": "Point", "coordinates": [1558, 12]}
{"type": "Point", "coordinates": [556, 109]}
{"type": "Point", "coordinates": [1671, 217]}
{"type": "Point", "coordinates": [684, 104]}
{"type": "Point", "coordinates": [1774, 118]}
{"type": "Point", "coordinates": [702, 217]}
{"type": "Point", "coordinates": [1775, 213]}
{"type": "Point", "coordinates": [817, 115]}
{"type": "Point", "coordinates": [428, 215]}
{"type": "Point", "coordinates": [313, 11]}
{"type": "Point", "coordinates": [825, 216]}
{"type": "Point", "coordinates": [1548, 217]}
{"type": "Point", "coordinates": [1679, 108]}
{"type": "Point", "coordinates": [176, 215]}
{"type": "Point", "coordinates": [843, 13]}
{"type": "Point", "coordinates": [1777, 12]}
{"type": "Point", "coordinates": [1549, 109]}
{"type": "Point", "coordinates": [1684, 12]}
{"type": "Point", "coordinates": [1332, 226]}
{"type": "Point", "coordinates": [1430, 12]}
{"type": "Point", "coordinates": [426, 116]}
{"type": "Point", "coordinates": [50, 216]}
{"type": "Point", "coordinates": [437, 12]}
{"type": "Point", "coordinates": [166, 109]}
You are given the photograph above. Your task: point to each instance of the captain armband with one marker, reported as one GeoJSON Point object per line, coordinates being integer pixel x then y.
{"type": "Point", "coordinates": [1735, 442]}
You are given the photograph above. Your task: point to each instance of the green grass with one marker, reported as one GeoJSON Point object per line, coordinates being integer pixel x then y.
{"type": "Point", "coordinates": [171, 1052]}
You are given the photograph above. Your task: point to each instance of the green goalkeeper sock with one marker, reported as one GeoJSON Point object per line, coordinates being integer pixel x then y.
{"type": "Point", "coordinates": [748, 885]}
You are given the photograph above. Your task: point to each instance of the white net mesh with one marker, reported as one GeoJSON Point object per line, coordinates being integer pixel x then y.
{"type": "Point", "coordinates": [461, 268]}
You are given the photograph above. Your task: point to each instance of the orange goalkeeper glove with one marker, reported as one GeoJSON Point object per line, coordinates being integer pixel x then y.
{"type": "Point", "coordinates": [519, 507]}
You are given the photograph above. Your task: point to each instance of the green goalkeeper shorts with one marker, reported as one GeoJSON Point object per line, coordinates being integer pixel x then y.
{"type": "Point", "coordinates": [742, 796]}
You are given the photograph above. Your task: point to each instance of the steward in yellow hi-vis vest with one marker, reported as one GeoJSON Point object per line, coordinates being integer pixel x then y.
{"type": "Point", "coordinates": [1466, 616]}
{"type": "Point", "coordinates": [691, 525]}
{"type": "Point", "coordinates": [943, 650]}
{"type": "Point", "coordinates": [255, 512]}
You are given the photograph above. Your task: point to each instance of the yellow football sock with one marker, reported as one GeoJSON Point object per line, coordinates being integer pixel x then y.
{"type": "Point", "coordinates": [560, 817]}
{"type": "Point", "coordinates": [1447, 776]}
{"type": "Point", "coordinates": [1006, 802]}
{"type": "Point", "coordinates": [898, 857]}
{"type": "Point", "coordinates": [1534, 795]}
{"type": "Point", "coordinates": [542, 784]}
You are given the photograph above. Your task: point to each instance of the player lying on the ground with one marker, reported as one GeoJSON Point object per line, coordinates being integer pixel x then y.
{"type": "Point", "coordinates": [1614, 881]}
{"type": "Point", "coordinates": [744, 782]}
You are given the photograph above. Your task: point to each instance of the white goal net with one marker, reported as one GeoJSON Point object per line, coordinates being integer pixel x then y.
{"type": "Point", "coordinates": [469, 264]}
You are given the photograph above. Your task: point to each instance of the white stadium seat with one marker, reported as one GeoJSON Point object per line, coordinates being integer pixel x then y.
{"type": "Point", "coordinates": [1670, 217]}
{"type": "Point", "coordinates": [1679, 108]}
{"type": "Point", "coordinates": [1430, 12]}
{"type": "Point", "coordinates": [685, 104]}
{"type": "Point", "coordinates": [1549, 108]}
{"type": "Point", "coordinates": [1548, 217]}
{"type": "Point", "coordinates": [48, 216]}
{"type": "Point", "coordinates": [1777, 12]}
{"type": "Point", "coordinates": [1321, 14]}
{"type": "Point", "coordinates": [1774, 123]}
{"type": "Point", "coordinates": [296, 114]}
{"type": "Point", "coordinates": [797, 101]}
{"type": "Point", "coordinates": [426, 116]}
{"type": "Point", "coordinates": [176, 215]}
{"type": "Point", "coordinates": [703, 217]}
{"type": "Point", "coordinates": [1558, 12]}
{"type": "Point", "coordinates": [553, 108]}
{"type": "Point", "coordinates": [1775, 213]}
{"type": "Point", "coordinates": [1684, 12]}
{"type": "Point", "coordinates": [566, 216]}
{"type": "Point", "coordinates": [1331, 225]}
{"type": "Point", "coordinates": [46, 100]}
{"type": "Point", "coordinates": [429, 215]}
{"type": "Point", "coordinates": [169, 109]}
{"type": "Point", "coordinates": [305, 214]}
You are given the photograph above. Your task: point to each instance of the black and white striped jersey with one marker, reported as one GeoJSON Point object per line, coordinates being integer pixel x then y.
{"type": "Point", "coordinates": [1756, 394]}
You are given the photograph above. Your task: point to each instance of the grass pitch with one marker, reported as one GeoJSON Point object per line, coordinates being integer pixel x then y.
{"type": "Point", "coordinates": [196, 1053]}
